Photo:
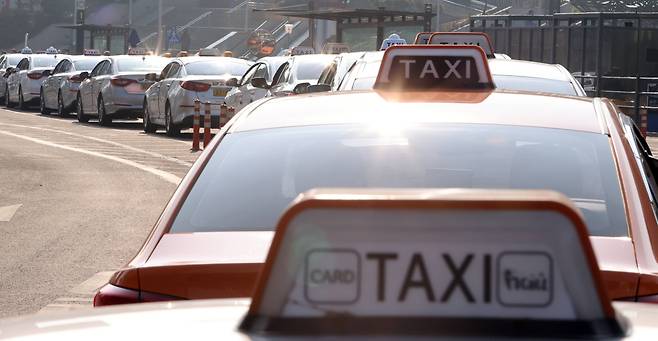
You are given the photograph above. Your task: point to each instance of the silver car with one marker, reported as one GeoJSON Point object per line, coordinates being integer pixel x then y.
{"type": "Point", "coordinates": [297, 74]}
{"type": "Point", "coordinates": [24, 81]}
{"type": "Point", "coordinates": [245, 92]}
{"type": "Point", "coordinates": [170, 101]}
{"type": "Point", "coordinates": [60, 91]}
{"type": "Point", "coordinates": [7, 61]}
{"type": "Point", "coordinates": [115, 88]}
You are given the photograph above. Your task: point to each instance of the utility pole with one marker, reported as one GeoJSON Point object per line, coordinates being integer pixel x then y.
{"type": "Point", "coordinates": [159, 45]}
{"type": "Point", "coordinates": [246, 16]}
{"type": "Point", "coordinates": [438, 15]}
{"type": "Point", "coordinates": [130, 12]}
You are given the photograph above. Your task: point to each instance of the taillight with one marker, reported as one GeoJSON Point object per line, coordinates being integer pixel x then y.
{"type": "Point", "coordinates": [195, 86]}
{"type": "Point", "coordinates": [75, 79]}
{"type": "Point", "coordinates": [112, 295]}
{"type": "Point", "coordinates": [122, 81]}
{"type": "Point", "coordinates": [35, 75]}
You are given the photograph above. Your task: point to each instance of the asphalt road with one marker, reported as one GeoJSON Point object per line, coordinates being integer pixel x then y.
{"type": "Point", "coordinates": [76, 200]}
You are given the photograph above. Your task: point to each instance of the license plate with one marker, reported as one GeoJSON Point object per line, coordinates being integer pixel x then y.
{"type": "Point", "coordinates": [430, 278]}
{"type": "Point", "coordinates": [219, 92]}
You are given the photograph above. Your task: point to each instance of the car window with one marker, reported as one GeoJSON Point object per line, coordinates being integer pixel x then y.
{"type": "Point", "coordinates": [327, 75]}
{"type": "Point", "coordinates": [261, 72]}
{"type": "Point", "coordinates": [233, 192]}
{"type": "Point", "coordinates": [212, 67]}
{"type": "Point", "coordinates": [278, 76]}
{"type": "Point", "coordinates": [309, 69]}
{"type": "Point", "coordinates": [165, 71]}
{"type": "Point", "coordinates": [13, 60]}
{"type": "Point", "coordinates": [97, 70]}
{"type": "Point", "coordinates": [24, 64]}
{"type": "Point", "coordinates": [65, 66]}
{"type": "Point", "coordinates": [173, 70]}
{"type": "Point", "coordinates": [641, 154]}
{"type": "Point", "coordinates": [58, 68]}
{"type": "Point", "coordinates": [534, 84]}
{"type": "Point", "coordinates": [44, 61]}
{"type": "Point", "coordinates": [246, 78]}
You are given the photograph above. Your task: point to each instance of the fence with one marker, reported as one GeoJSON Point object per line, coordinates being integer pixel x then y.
{"type": "Point", "coordinates": [612, 54]}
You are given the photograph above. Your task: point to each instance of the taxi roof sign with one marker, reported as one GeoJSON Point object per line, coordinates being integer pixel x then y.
{"type": "Point", "coordinates": [445, 262]}
{"type": "Point", "coordinates": [392, 40]}
{"type": "Point", "coordinates": [137, 51]}
{"type": "Point", "coordinates": [423, 38]}
{"type": "Point", "coordinates": [434, 67]}
{"type": "Point", "coordinates": [464, 38]}
{"type": "Point", "coordinates": [91, 52]}
{"type": "Point", "coordinates": [302, 50]}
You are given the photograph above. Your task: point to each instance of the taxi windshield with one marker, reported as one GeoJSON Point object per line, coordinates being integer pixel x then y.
{"type": "Point", "coordinates": [216, 68]}
{"type": "Point", "coordinates": [14, 60]}
{"type": "Point", "coordinates": [86, 64]}
{"type": "Point", "coordinates": [534, 84]}
{"type": "Point", "coordinates": [139, 64]}
{"type": "Point", "coordinates": [44, 61]}
{"type": "Point", "coordinates": [254, 175]}
{"type": "Point", "coordinates": [311, 68]}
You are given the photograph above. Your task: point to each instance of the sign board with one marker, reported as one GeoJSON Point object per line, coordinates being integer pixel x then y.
{"type": "Point", "coordinates": [172, 36]}
{"type": "Point", "coordinates": [434, 67]}
{"type": "Point", "coordinates": [80, 4]}
{"type": "Point", "coordinates": [423, 38]}
{"type": "Point", "coordinates": [392, 40]}
{"type": "Point", "coordinates": [302, 50]}
{"type": "Point", "coordinates": [335, 48]}
{"type": "Point", "coordinates": [464, 38]}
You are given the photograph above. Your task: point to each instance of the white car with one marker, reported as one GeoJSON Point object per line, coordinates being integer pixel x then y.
{"type": "Point", "coordinates": [60, 91]}
{"type": "Point", "coordinates": [116, 86]}
{"type": "Point", "coordinates": [9, 60]}
{"type": "Point", "coordinates": [170, 101]}
{"type": "Point", "coordinates": [24, 81]}
{"type": "Point", "coordinates": [245, 93]}
{"type": "Point", "coordinates": [297, 74]}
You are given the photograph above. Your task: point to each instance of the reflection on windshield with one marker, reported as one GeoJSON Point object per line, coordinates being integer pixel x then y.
{"type": "Point", "coordinates": [234, 193]}
{"type": "Point", "coordinates": [216, 68]}
{"type": "Point", "coordinates": [44, 61]}
{"type": "Point", "coordinates": [138, 64]}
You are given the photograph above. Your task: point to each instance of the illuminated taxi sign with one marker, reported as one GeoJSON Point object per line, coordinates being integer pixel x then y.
{"type": "Point", "coordinates": [423, 38]}
{"type": "Point", "coordinates": [91, 52]}
{"type": "Point", "coordinates": [51, 50]}
{"type": "Point", "coordinates": [434, 67]}
{"type": "Point", "coordinates": [449, 262]}
{"type": "Point", "coordinates": [392, 40]}
{"type": "Point", "coordinates": [26, 50]}
{"type": "Point", "coordinates": [464, 38]}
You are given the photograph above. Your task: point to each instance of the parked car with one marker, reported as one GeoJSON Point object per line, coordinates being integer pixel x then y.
{"type": "Point", "coordinates": [60, 91]}
{"type": "Point", "coordinates": [332, 74]}
{"type": "Point", "coordinates": [170, 101]}
{"type": "Point", "coordinates": [9, 60]}
{"type": "Point", "coordinates": [24, 81]}
{"type": "Point", "coordinates": [115, 88]}
{"type": "Point", "coordinates": [245, 92]}
{"type": "Point", "coordinates": [296, 75]}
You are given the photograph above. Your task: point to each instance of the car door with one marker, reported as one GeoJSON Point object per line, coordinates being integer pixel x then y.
{"type": "Point", "coordinates": [14, 79]}
{"type": "Point", "coordinates": [280, 78]}
{"type": "Point", "coordinates": [154, 95]}
{"type": "Point", "coordinates": [51, 85]}
{"type": "Point", "coordinates": [98, 82]}
{"type": "Point", "coordinates": [165, 85]}
{"type": "Point", "coordinates": [245, 85]}
{"type": "Point", "coordinates": [87, 88]}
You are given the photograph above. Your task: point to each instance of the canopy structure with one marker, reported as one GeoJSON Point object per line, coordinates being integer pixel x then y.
{"type": "Point", "coordinates": [101, 37]}
{"type": "Point", "coordinates": [363, 18]}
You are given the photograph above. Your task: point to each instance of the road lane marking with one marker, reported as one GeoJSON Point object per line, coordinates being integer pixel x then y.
{"type": "Point", "coordinates": [7, 212]}
{"type": "Point", "coordinates": [162, 174]}
{"type": "Point", "coordinates": [139, 150]}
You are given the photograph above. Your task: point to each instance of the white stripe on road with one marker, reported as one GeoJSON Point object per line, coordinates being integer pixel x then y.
{"type": "Point", "coordinates": [7, 212]}
{"type": "Point", "coordinates": [162, 174]}
{"type": "Point", "coordinates": [164, 157]}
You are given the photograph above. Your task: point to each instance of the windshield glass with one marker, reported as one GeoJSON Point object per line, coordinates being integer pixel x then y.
{"type": "Point", "coordinates": [14, 60]}
{"type": "Point", "coordinates": [254, 175]}
{"type": "Point", "coordinates": [44, 61]}
{"type": "Point", "coordinates": [86, 64]}
{"type": "Point", "coordinates": [534, 85]}
{"type": "Point", "coordinates": [141, 64]}
{"type": "Point", "coordinates": [216, 68]}
{"type": "Point", "coordinates": [310, 69]}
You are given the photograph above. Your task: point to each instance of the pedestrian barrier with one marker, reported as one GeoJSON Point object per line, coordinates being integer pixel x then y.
{"type": "Point", "coordinates": [225, 113]}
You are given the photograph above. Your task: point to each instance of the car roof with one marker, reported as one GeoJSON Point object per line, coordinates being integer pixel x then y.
{"type": "Point", "coordinates": [522, 68]}
{"type": "Point", "coordinates": [194, 59]}
{"type": "Point", "coordinates": [127, 56]}
{"type": "Point", "coordinates": [313, 57]}
{"type": "Point", "coordinates": [502, 107]}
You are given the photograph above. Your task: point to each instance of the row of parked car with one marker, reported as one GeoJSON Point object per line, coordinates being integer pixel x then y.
{"type": "Point", "coordinates": [162, 90]}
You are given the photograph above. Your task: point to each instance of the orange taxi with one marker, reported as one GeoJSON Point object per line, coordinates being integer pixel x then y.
{"type": "Point", "coordinates": [434, 120]}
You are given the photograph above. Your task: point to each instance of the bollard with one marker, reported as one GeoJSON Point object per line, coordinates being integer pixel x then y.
{"type": "Point", "coordinates": [223, 115]}
{"type": "Point", "coordinates": [195, 125]}
{"type": "Point", "coordinates": [207, 122]}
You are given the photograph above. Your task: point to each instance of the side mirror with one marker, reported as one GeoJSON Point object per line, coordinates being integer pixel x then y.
{"type": "Point", "coordinates": [151, 77]}
{"type": "Point", "coordinates": [318, 88]}
{"type": "Point", "coordinates": [47, 73]}
{"type": "Point", "coordinates": [301, 88]}
{"type": "Point", "coordinates": [260, 82]}
{"type": "Point", "coordinates": [232, 82]}
{"type": "Point", "coordinates": [84, 75]}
